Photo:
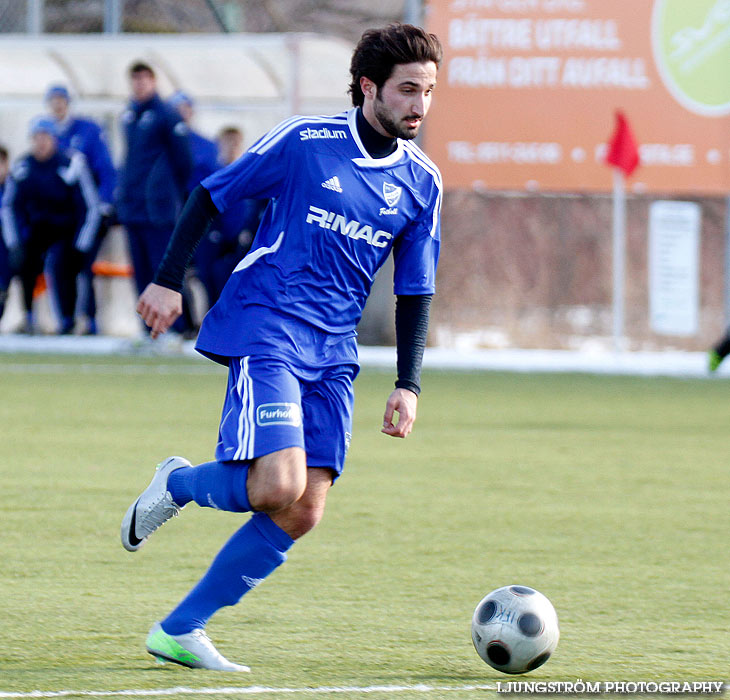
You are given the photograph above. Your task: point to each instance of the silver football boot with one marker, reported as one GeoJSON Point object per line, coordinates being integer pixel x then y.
{"type": "Point", "coordinates": [153, 508]}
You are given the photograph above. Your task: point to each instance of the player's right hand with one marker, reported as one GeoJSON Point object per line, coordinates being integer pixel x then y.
{"type": "Point", "coordinates": [404, 402]}
{"type": "Point", "coordinates": [159, 308]}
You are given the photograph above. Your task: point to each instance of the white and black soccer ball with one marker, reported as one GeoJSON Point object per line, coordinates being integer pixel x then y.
{"type": "Point", "coordinates": [515, 629]}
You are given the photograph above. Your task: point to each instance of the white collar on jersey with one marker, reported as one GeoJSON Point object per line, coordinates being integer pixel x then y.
{"type": "Point", "coordinates": [367, 161]}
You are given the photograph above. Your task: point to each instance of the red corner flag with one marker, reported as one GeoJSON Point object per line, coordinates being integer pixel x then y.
{"type": "Point", "coordinates": [623, 151]}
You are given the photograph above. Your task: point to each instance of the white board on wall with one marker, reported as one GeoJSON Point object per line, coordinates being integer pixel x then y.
{"type": "Point", "coordinates": [674, 245]}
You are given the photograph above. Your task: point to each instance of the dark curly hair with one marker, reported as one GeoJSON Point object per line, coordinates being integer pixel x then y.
{"type": "Point", "coordinates": [380, 50]}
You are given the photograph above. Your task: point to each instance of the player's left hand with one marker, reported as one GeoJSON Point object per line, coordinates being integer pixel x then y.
{"type": "Point", "coordinates": [403, 402]}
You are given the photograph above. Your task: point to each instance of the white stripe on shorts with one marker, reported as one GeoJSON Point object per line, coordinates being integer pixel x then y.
{"type": "Point", "coordinates": [246, 423]}
{"type": "Point", "coordinates": [251, 410]}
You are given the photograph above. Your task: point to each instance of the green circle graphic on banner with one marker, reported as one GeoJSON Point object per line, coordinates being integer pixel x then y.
{"type": "Point", "coordinates": [691, 41]}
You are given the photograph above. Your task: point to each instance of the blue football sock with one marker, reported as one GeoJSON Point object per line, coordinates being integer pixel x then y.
{"type": "Point", "coordinates": [246, 559]}
{"type": "Point", "coordinates": [220, 485]}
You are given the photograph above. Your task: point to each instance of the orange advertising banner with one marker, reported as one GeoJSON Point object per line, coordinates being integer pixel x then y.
{"type": "Point", "coordinates": [529, 89]}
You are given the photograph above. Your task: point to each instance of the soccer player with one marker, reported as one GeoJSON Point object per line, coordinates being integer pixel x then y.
{"type": "Point", "coordinates": [84, 135]}
{"type": "Point", "coordinates": [5, 268]}
{"type": "Point", "coordinates": [50, 198]}
{"type": "Point", "coordinates": [154, 175]}
{"type": "Point", "coordinates": [719, 352]}
{"type": "Point", "coordinates": [345, 191]}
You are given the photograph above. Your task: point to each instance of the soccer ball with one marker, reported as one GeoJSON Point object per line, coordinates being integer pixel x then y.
{"type": "Point", "coordinates": [515, 629]}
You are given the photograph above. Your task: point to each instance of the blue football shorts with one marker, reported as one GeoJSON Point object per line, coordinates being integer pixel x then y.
{"type": "Point", "coordinates": [271, 405]}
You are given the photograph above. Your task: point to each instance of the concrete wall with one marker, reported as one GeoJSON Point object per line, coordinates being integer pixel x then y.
{"type": "Point", "coordinates": [535, 271]}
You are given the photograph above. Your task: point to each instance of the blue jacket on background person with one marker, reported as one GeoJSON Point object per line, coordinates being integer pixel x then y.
{"type": "Point", "coordinates": [204, 151]}
{"type": "Point", "coordinates": [5, 271]}
{"type": "Point", "coordinates": [50, 200]}
{"type": "Point", "coordinates": [226, 243]}
{"type": "Point", "coordinates": [154, 176]}
{"type": "Point", "coordinates": [57, 194]}
{"type": "Point", "coordinates": [86, 136]}
{"type": "Point", "coordinates": [205, 159]}
{"type": "Point", "coordinates": [153, 179]}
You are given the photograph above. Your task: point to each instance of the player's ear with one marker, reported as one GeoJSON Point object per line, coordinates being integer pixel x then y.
{"type": "Point", "coordinates": [368, 87]}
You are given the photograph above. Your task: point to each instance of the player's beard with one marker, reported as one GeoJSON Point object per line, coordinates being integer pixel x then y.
{"type": "Point", "coordinates": [385, 117]}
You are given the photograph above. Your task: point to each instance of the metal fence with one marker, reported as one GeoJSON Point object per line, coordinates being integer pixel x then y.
{"type": "Point", "coordinates": [14, 16]}
{"type": "Point", "coordinates": [115, 16]}
{"type": "Point", "coordinates": [343, 18]}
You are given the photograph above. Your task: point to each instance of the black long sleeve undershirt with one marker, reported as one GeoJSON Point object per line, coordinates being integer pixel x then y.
{"type": "Point", "coordinates": [195, 220]}
{"type": "Point", "coordinates": [411, 330]}
{"type": "Point", "coordinates": [377, 145]}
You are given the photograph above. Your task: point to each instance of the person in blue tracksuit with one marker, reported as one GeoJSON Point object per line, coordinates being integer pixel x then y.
{"type": "Point", "coordinates": [204, 152]}
{"type": "Point", "coordinates": [86, 136]}
{"type": "Point", "coordinates": [49, 198]}
{"type": "Point", "coordinates": [154, 175]}
{"type": "Point", "coordinates": [232, 232]}
{"type": "Point", "coordinates": [5, 273]}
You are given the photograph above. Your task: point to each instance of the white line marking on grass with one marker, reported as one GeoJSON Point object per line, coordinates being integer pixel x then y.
{"type": "Point", "coordinates": [249, 690]}
{"type": "Point", "coordinates": [70, 368]}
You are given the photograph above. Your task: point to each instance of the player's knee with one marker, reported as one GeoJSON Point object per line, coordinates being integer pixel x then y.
{"type": "Point", "coordinates": [280, 491]}
{"type": "Point", "coordinates": [309, 517]}
{"type": "Point", "coordinates": [302, 517]}
{"type": "Point", "coordinates": [276, 498]}
{"type": "Point", "coordinates": [275, 484]}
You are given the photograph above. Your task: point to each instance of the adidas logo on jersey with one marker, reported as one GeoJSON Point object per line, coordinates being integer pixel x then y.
{"type": "Point", "coordinates": [333, 184]}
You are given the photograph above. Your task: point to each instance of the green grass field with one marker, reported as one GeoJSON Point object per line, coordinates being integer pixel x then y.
{"type": "Point", "coordinates": [610, 495]}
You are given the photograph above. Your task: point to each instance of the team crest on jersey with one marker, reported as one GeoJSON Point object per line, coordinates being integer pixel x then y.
{"type": "Point", "coordinates": [391, 193]}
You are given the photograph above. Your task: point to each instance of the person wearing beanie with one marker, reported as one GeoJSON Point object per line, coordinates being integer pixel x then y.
{"type": "Point", "coordinates": [49, 199]}
{"type": "Point", "coordinates": [204, 152]}
{"type": "Point", "coordinates": [86, 136]}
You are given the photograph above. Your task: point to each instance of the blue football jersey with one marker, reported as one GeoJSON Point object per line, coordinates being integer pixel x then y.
{"type": "Point", "coordinates": [334, 216]}
{"type": "Point", "coordinates": [86, 136]}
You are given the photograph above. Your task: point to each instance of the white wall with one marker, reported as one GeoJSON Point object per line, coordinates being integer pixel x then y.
{"type": "Point", "coordinates": [252, 81]}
